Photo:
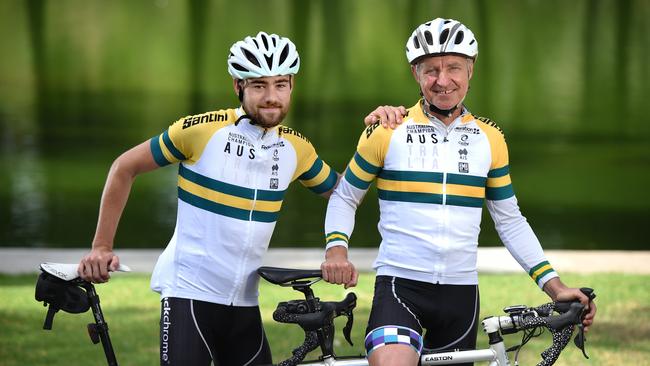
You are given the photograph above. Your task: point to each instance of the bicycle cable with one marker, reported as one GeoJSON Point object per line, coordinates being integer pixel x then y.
{"type": "Point", "coordinates": [528, 334]}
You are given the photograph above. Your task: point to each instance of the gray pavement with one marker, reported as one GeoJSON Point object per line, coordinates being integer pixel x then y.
{"type": "Point", "coordinates": [490, 260]}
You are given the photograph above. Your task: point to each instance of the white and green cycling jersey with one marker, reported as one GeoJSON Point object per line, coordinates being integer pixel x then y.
{"type": "Point", "coordinates": [232, 179]}
{"type": "Point", "coordinates": [432, 182]}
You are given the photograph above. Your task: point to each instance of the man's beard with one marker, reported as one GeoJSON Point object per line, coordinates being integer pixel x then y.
{"type": "Point", "coordinates": [269, 122]}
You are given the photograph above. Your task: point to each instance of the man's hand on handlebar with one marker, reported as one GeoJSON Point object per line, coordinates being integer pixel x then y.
{"type": "Point", "coordinates": [558, 291]}
{"type": "Point", "coordinates": [387, 115]}
{"type": "Point", "coordinates": [338, 269]}
{"type": "Point", "coordinates": [96, 265]}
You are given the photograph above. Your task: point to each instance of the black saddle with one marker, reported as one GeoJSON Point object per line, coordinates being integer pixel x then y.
{"type": "Point", "coordinates": [281, 276]}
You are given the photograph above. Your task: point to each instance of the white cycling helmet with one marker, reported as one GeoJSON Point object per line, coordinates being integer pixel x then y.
{"type": "Point", "coordinates": [439, 37]}
{"type": "Point", "coordinates": [263, 55]}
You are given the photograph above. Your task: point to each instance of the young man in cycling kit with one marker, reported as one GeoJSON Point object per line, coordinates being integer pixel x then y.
{"type": "Point", "coordinates": [434, 172]}
{"type": "Point", "coordinates": [234, 168]}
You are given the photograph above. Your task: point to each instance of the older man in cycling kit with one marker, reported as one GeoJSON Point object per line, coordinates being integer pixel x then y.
{"type": "Point", "coordinates": [234, 168]}
{"type": "Point", "coordinates": [434, 172]}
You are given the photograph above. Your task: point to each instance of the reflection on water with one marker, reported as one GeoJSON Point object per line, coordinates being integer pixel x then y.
{"type": "Point", "coordinates": [27, 193]}
{"type": "Point", "coordinates": [78, 87]}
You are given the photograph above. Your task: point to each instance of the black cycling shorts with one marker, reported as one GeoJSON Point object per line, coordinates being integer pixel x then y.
{"type": "Point", "coordinates": [402, 309]}
{"type": "Point", "coordinates": [195, 332]}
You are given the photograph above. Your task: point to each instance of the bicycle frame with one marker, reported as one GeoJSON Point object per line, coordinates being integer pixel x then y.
{"type": "Point", "coordinates": [316, 319]}
{"type": "Point", "coordinates": [496, 354]}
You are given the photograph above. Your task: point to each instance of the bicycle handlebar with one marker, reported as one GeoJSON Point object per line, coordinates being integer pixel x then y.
{"type": "Point", "coordinates": [561, 326]}
{"type": "Point", "coordinates": [298, 312]}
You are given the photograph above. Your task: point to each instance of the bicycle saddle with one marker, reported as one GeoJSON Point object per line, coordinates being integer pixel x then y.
{"type": "Point", "coordinates": [279, 276]}
{"type": "Point", "coordinates": [68, 272]}
{"type": "Point", "coordinates": [60, 287]}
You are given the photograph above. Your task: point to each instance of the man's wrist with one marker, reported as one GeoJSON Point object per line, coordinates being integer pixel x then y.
{"type": "Point", "coordinates": [553, 287]}
{"type": "Point", "coordinates": [336, 251]}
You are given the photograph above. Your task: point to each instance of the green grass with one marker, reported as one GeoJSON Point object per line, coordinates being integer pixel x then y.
{"type": "Point", "coordinates": [621, 335]}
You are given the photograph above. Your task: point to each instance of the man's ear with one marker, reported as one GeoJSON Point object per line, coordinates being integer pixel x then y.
{"type": "Point", "coordinates": [414, 71]}
{"type": "Point", "coordinates": [235, 85]}
{"type": "Point", "coordinates": [470, 68]}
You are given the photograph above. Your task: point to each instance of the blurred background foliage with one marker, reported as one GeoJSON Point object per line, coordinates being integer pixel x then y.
{"type": "Point", "coordinates": [82, 81]}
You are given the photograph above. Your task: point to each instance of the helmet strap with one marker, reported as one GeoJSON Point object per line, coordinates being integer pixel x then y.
{"type": "Point", "coordinates": [241, 90]}
{"type": "Point", "coordinates": [434, 109]}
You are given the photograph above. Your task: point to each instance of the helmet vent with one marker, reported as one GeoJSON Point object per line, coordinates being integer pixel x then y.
{"type": "Point", "coordinates": [416, 42]}
{"type": "Point", "coordinates": [472, 42]}
{"type": "Point", "coordinates": [251, 57]}
{"type": "Point", "coordinates": [459, 37]}
{"type": "Point", "coordinates": [444, 35]}
{"type": "Point", "coordinates": [238, 67]}
{"type": "Point", "coordinates": [266, 43]}
{"type": "Point", "coordinates": [264, 55]}
{"type": "Point", "coordinates": [447, 21]}
{"type": "Point", "coordinates": [428, 37]}
{"type": "Point", "coordinates": [284, 54]}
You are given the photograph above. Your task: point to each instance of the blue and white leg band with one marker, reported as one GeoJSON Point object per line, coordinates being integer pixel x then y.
{"type": "Point", "coordinates": [392, 334]}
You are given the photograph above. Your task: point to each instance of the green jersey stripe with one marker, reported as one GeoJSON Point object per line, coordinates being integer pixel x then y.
{"type": "Point", "coordinates": [499, 172]}
{"type": "Point", "coordinates": [224, 210]}
{"type": "Point", "coordinates": [227, 188]}
{"type": "Point", "coordinates": [327, 184]}
{"type": "Point", "coordinates": [170, 146]}
{"type": "Point", "coordinates": [157, 153]}
{"type": "Point", "coordinates": [366, 166]}
{"type": "Point", "coordinates": [409, 176]}
{"type": "Point", "coordinates": [500, 193]}
{"type": "Point", "coordinates": [356, 181]}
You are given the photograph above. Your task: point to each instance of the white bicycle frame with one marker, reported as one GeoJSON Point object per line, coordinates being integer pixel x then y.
{"type": "Point", "coordinates": [496, 354]}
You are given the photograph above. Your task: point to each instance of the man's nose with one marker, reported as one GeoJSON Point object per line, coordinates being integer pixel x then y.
{"type": "Point", "coordinates": [270, 95]}
{"type": "Point", "coordinates": [443, 79]}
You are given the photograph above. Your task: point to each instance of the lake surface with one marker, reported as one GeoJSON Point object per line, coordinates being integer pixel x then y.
{"type": "Point", "coordinates": [82, 81]}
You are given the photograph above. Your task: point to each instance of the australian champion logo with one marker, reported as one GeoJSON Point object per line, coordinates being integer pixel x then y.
{"type": "Point", "coordinates": [420, 129]}
{"type": "Point", "coordinates": [424, 134]}
{"type": "Point", "coordinates": [462, 154]}
{"type": "Point", "coordinates": [241, 146]}
{"type": "Point", "coordinates": [274, 169]}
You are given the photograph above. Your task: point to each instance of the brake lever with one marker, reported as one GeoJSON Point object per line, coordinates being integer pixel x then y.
{"type": "Point", "coordinates": [580, 340]}
{"type": "Point", "coordinates": [347, 330]}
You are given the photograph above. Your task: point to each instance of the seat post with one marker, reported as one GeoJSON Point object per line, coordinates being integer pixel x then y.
{"type": "Point", "coordinates": [100, 326]}
{"type": "Point", "coordinates": [326, 333]}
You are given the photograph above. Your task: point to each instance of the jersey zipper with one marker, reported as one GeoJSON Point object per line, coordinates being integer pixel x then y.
{"type": "Point", "coordinates": [248, 243]}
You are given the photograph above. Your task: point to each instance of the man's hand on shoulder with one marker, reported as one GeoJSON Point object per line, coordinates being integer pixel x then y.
{"type": "Point", "coordinates": [388, 116]}
{"type": "Point", "coordinates": [338, 269]}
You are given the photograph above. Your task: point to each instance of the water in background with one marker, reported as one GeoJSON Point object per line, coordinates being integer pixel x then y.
{"type": "Point", "coordinates": [82, 81]}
